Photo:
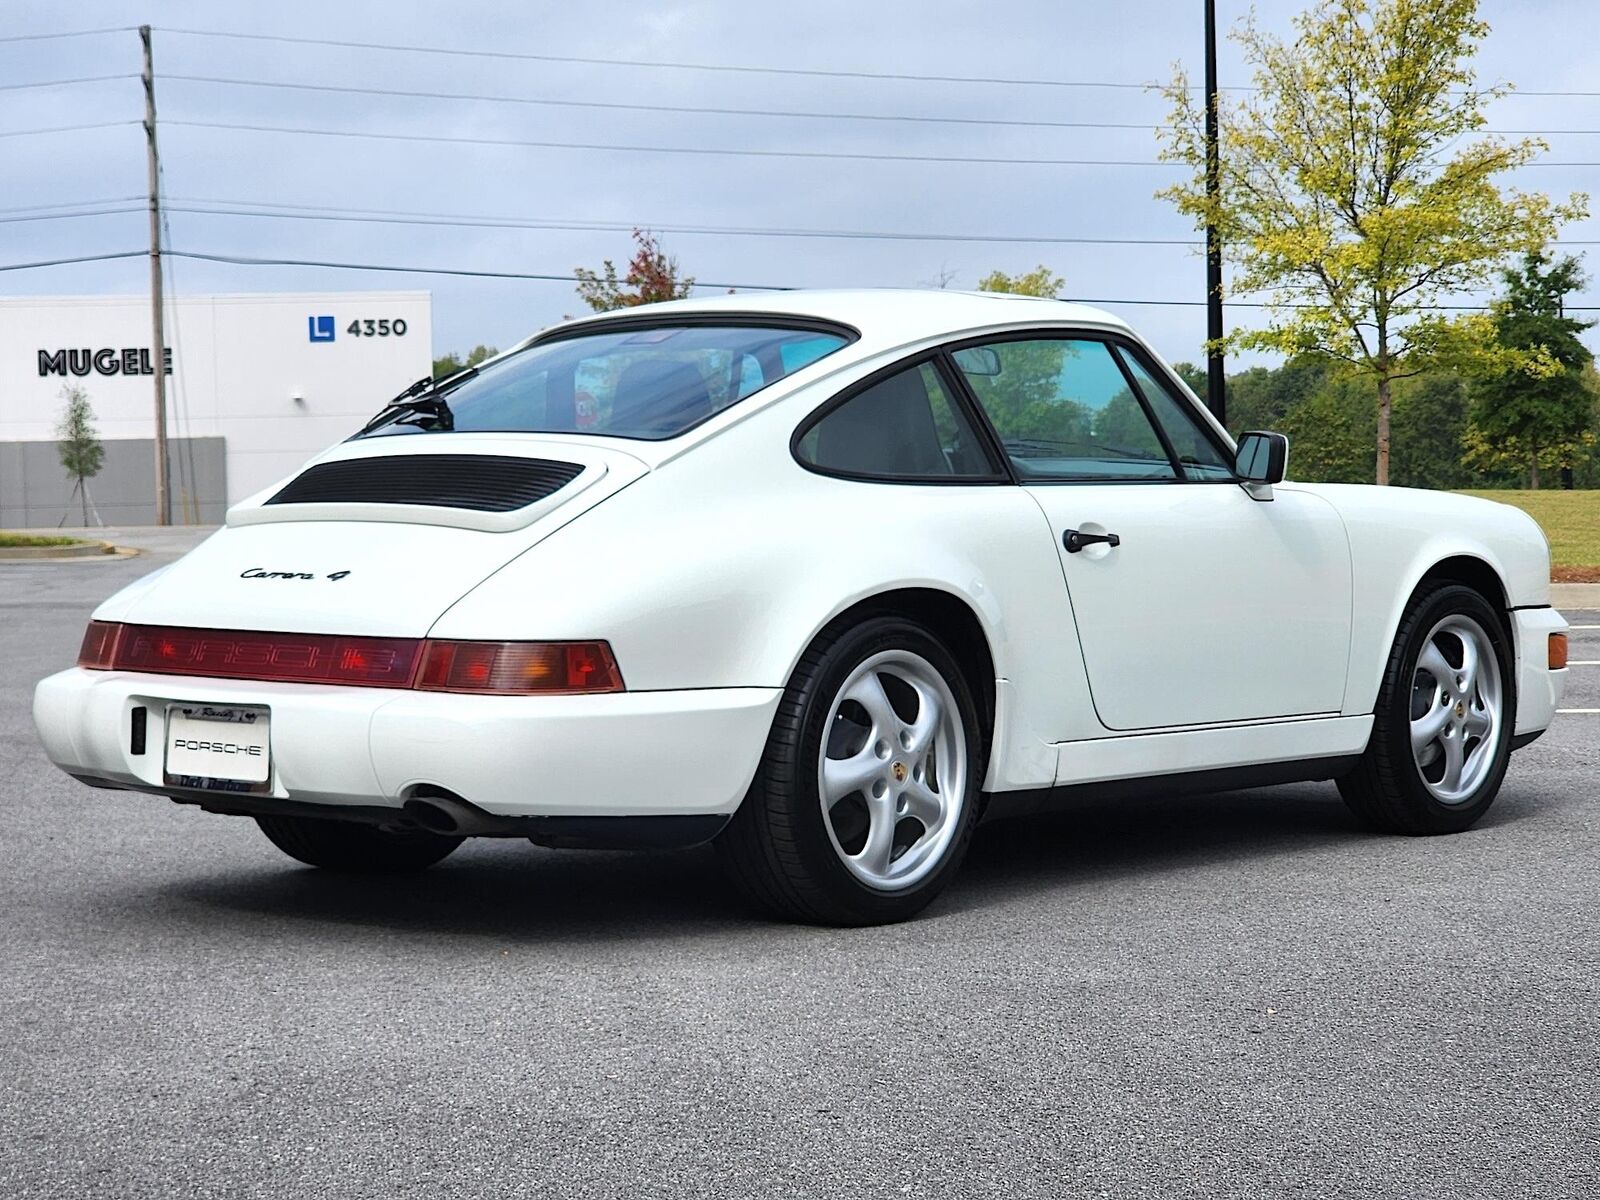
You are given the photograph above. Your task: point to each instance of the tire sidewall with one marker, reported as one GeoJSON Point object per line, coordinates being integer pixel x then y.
{"type": "Point", "coordinates": [1433, 812]}
{"type": "Point", "coordinates": [852, 648]}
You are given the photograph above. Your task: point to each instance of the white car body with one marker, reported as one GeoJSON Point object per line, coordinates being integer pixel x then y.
{"type": "Point", "coordinates": [1227, 641]}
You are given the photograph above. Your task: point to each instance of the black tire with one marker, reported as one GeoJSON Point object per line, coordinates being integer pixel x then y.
{"type": "Point", "coordinates": [354, 848]}
{"type": "Point", "coordinates": [1387, 790]}
{"type": "Point", "coordinates": [778, 849]}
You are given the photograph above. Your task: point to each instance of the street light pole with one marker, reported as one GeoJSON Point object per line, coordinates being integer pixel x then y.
{"type": "Point", "coordinates": [1216, 381]}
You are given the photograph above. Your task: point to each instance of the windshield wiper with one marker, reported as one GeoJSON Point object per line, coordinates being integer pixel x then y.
{"type": "Point", "coordinates": [422, 404]}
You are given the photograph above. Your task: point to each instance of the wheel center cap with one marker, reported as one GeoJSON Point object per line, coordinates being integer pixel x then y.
{"type": "Point", "coordinates": [899, 772]}
{"type": "Point", "coordinates": [1461, 709]}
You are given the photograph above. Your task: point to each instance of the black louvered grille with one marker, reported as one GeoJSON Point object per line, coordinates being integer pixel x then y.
{"type": "Point", "coordinates": [482, 482]}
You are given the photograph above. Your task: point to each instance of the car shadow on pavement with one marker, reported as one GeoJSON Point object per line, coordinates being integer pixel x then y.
{"type": "Point", "coordinates": [513, 890]}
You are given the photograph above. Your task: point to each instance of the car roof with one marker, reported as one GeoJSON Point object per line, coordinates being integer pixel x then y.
{"type": "Point", "coordinates": [883, 315]}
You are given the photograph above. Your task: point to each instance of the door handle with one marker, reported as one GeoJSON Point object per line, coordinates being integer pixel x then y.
{"type": "Point", "coordinates": [1075, 541]}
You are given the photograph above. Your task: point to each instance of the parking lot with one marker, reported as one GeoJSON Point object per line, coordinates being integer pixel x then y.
{"type": "Point", "coordinates": [1241, 995]}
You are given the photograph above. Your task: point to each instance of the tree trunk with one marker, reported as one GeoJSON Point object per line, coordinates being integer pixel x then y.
{"type": "Point", "coordinates": [1384, 399]}
{"type": "Point", "coordinates": [1533, 469]}
{"type": "Point", "coordinates": [83, 498]}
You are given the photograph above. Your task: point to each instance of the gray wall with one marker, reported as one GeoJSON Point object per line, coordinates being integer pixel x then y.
{"type": "Point", "coordinates": [35, 492]}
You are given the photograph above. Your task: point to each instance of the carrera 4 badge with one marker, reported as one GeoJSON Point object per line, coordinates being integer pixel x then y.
{"type": "Point", "coordinates": [263, 573]}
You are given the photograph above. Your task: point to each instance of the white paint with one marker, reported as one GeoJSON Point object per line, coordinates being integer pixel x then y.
{"type": "Point", "coordinates": [244, 368]}
{"type": "Point", "coordinates": [711, 561]}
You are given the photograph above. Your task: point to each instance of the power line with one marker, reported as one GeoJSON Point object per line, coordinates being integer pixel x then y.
{"type": "Point", "coordinates": [62, 216]}
{"type": "Point", "coordinates": [406, 270]}
{"type": "Point", "coordinates": [411, 93]}
{"type": "Point", "coordinates": [523, 56]}
{"type": "Point", "coordinates": [72, 204]}
{"type": "Point", "coordinates": [472, 221]}
{"type": "Point", "coordinates": [50, 83]}
{"type": "Point", "coordinates": [735, 153]}
{"type": "Point", "coordinates": [72, 33]}
{"type": "Point", "coordinates": [63, 262]}
{"type": "Point", "coordinates": [63, 128]}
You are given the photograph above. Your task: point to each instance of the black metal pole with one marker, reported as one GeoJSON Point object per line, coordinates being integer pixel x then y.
{"type": "Point", "coordinates": [1216, 381]}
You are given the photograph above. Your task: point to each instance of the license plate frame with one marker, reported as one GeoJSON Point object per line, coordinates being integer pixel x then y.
{"type": "Point", "coordinates": [218, 747]}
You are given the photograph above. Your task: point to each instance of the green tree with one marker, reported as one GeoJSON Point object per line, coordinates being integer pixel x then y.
{"type": "Point", "coordinates": [1041, 281]}
{"type": "Point", "coordinates": [450, 363]}
{"type": "Point", "coordinates": [1352, 189]}
{"type": "Point", "coordinates": [652, 276]}
{"type": "Point", "coordinates": [1545, 421]}
{"type": "Point", "coordinates": [1430, 425]}
{"type": "Point", "coordinates": [82, 454]}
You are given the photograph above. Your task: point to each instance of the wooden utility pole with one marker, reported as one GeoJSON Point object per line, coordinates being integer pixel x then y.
{"type": "Point", "coordinates": [163, 494]}
{"type": "Point", "coordinates": [1216, 380]}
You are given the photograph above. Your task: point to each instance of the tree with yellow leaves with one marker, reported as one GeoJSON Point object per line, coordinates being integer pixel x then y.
{"type": "Point", "coordinates": [1356, 189]}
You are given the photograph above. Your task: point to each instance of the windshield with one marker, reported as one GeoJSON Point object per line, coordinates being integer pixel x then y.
{"type": "Point", "coordinates": [653, 382]}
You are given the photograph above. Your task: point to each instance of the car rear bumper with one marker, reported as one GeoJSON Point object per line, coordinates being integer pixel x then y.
{"type": "Point", "coordinates": [1539, 689]}
{"type": "Point", "coordinates": [617, 754]}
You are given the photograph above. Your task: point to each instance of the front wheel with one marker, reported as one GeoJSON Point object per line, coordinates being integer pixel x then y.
{"type": "Point", "coordinates": [868, 790]}
{"type": "Point", "coordinates": [1441, 734]}
{"type": "Point", "coordinates": [355, 848]}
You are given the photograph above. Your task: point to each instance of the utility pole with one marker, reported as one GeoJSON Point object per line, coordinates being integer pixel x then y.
{"type": "Point", "coordinates": [163, 495]}
{"type": "Point", "coordinates": [1216, 381]}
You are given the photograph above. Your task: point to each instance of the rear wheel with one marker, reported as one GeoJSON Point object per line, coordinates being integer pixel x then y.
{"type": "Point", "coordinates": [1441, 736]}
{"type": "Point", "coordinates": [355, 848]}
{"type": "Point", "coordinates": [867, 793]}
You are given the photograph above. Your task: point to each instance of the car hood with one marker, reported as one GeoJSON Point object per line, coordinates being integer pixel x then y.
{"type": "Point", "coordinates": [378, 537]}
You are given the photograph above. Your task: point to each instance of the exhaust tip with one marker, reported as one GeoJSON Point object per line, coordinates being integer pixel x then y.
{"type": "Point", "coordinates": [432, 817]}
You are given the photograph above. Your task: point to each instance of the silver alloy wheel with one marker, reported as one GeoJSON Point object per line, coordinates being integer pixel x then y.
{"type": "Point", "coordinates": [893, 770]}
{"type": "Point", "coordinates": [1457, 709]}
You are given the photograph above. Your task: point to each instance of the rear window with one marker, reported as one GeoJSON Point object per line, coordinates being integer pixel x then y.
{"type": "Point", "coordinates": [650, 382]}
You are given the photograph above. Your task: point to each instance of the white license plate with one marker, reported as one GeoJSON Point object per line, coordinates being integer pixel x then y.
{"type": "Point", "coordinates": [209, 745]}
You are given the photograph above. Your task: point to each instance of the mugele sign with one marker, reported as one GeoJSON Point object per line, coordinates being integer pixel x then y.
{"type": "Point", "coordinates": [130, 360]}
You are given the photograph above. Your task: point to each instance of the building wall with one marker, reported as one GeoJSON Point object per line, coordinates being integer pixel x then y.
{"type": "Point", "coordinates": [36, 493]}
{"type": "Point", "coordinates": [245, 368]}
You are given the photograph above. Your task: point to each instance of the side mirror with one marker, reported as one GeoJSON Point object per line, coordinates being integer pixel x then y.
{"type": "Point", "coordinates": [1261, 458]}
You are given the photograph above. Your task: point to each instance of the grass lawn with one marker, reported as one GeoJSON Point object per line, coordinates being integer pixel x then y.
{"type": "Point", "coordinates": [19, 539]}
{"type": "Point", "coordinates": [1571, 521]}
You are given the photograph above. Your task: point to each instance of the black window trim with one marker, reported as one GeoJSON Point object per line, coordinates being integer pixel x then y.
{"type": "Point", "coordinates": [1127, 348]}
{"type": "Point", "coordinates": [1116, 343]}
{"type": "Point", "coordinates": [741, 318]}
{"type": "Point", "coordinates": [955, 390]}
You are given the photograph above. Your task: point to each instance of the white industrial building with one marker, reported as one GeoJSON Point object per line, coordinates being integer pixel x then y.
{"type": "Point", "coordinates": [257, 384]}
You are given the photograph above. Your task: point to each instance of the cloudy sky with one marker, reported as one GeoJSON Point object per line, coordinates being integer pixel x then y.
{"type": "Point", "coordinates": [900, 177]}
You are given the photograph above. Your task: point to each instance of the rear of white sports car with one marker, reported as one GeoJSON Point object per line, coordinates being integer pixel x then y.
{"type": "Point", "coordinates": [315, 658]}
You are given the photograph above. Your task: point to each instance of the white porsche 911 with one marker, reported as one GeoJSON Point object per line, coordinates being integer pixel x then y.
{"type": "Point", "coordinates": [824, 577]}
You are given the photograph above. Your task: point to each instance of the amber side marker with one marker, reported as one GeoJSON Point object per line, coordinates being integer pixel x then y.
{"type": "Point", "coordinates": [1558, 651]}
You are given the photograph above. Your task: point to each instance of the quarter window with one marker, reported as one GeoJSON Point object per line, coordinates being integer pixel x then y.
{"type": "Point", "coordinates": [1064, 410]}
{"type": "Point", "coordinates": [903, 427]}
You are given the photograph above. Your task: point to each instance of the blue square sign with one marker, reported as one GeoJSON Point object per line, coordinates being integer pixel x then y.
{"type": "Point", "coordinates": [320, 328]}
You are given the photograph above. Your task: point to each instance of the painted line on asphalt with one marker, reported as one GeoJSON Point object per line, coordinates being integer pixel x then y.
{"type": "Point", "coordinates": [1584, 662]}
{"type": "Point", "coordinates": [1572, 711]}
{"type": "Point", "coordinates": [1583, 626]}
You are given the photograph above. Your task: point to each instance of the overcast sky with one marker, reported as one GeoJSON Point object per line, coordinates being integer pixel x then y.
{"type": "Point", "coordinates": [1543, 45]}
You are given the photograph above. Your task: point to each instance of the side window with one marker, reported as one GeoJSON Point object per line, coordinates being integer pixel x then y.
{"type": "Point", "coordinates": [903, 427]}
{"type": "Point", "coordinates": [1197, 453]}
{"type": "Point", "coordinates": [1064, 410]}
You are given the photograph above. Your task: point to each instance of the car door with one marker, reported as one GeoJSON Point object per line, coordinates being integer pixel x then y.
{"type": "Point", "coordinates": [1194, 602]}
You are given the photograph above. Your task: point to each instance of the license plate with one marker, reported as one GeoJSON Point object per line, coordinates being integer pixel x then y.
{"type": "Point", "coordinates": [215, 747]}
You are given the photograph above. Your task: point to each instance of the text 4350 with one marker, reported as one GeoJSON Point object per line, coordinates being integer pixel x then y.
{"type": "Point", "coordinates": [367, 327]}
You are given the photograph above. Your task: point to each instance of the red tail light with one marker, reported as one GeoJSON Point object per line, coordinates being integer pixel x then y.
{"type": "Point", "coordinates": [507, 668]}
{"type": "Point", "coordinates": [519, 667]}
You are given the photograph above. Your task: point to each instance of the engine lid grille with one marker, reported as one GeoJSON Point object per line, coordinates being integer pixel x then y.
{"type": "Point", "coordinates": [479, 482]}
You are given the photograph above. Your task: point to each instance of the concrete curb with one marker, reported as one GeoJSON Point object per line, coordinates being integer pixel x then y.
{"type": "Point", "coordinates": [56, 553]}
{"type": "Point", "coordinates": [1575, 595]}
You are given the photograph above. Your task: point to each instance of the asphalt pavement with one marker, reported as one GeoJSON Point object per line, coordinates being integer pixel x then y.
{"type": "Point", "coordinates": [1240, 995]}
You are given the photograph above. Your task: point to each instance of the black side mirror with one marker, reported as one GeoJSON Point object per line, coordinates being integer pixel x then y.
{"type": "Point", "coordinates": [1261, 458]}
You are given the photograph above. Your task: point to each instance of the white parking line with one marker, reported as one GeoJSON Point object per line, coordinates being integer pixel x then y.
{"type": "Point", "coordinates": [1583, 626]}
{"type": "Point", "coordinates": [1578, 710]}
{"type": "Point", "coordinates": [1584, 662]}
